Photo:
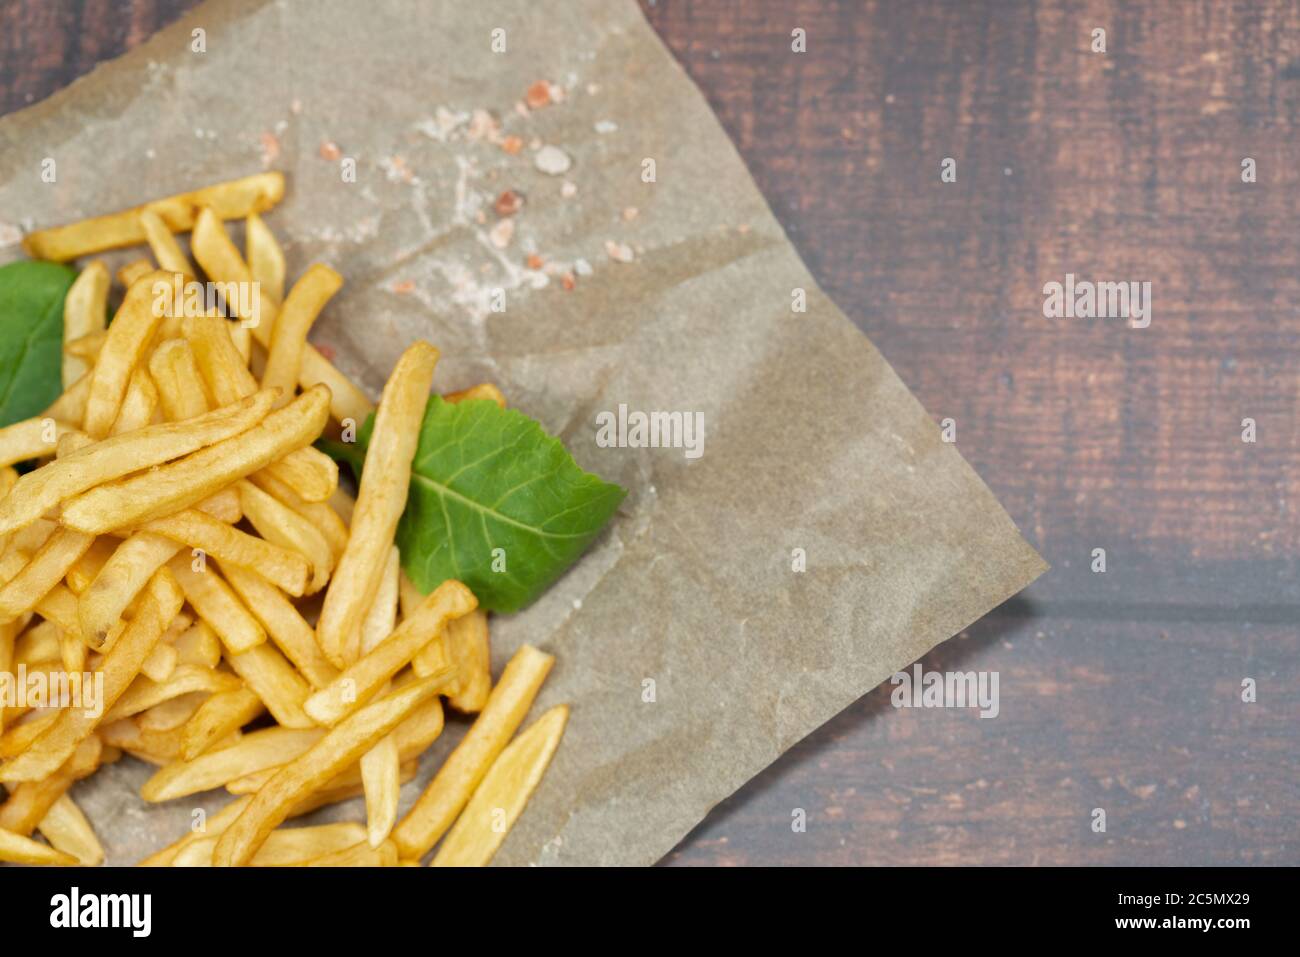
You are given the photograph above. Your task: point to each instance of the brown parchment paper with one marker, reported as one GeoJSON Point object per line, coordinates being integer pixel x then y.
{"type": "Point", "coordinates": [811, 440]}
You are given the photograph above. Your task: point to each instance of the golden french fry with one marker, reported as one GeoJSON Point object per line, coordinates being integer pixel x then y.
{"type": "Point", "coordinates": [380, 500]}
{"type": "Point", "coordinates": [158, 667]}
{"type": "Point", "coordinates": [221, 260]}
{"type": "Point", "coordinates": [381, 779]}
{"type": "Point", "coordinates": [265, 258]}
{"type": "Point", "coordinates": [85, 310]}
{"type": "Point", "coordinates": [230, 200]}
{"type": "Point", "coordinates": [359, 855]}
{"type": "Point", "coordinates": [210, 596]}
{"type": "Point", "coordinates": [361, 680]}
{"type": "Point", "coordinates": [86, 568]}
{"type": "Point", "coordinates": [180, 484]}
{"type": "Point", "coordinates": [268, 748]}
{"type": "Point", "coordinates": [67, 830]}
{"type": "Point", "coordinates": [286, 847]}
{"type": "Point", "coordinates": [381, 616]}
{"type": "Point", "coordinates": [30, 439]}
{"type": "Point", "coordinates": [176, 374]}
{"type": "Point", "coordinates": [210, 828]}
{"type": "Point", "coordinates": [282, 526]}
{"type": "Point", "coordinates": [289, 336]}
{"type": "Point", "coordinates": [184, 679]}
{"type": "Point", "coordinates": [217, 718]}
{"type": "Point", "coordinates": [105, 600]}
{"type": "Point", "coordinates": [484, 390]}
{"type": "Point", "coordinates": [286, 569]}
{"type": "Point", "coordinates": [198, 645]}
{"type": "Point", "coordinates": [284, 623]}
{"type": "Point", "coordinates": [296, 780]}
{"type": "Point", "coordinates": [71, 406]}
{"type": "Point", "coordinates": [41, 490]}
{"type": "Point", "coordinates": [119, 668]}
{"type": "Point", "coordinates": [311, 474]}
{"type": "Point", "coordinates": [128, 336]}
{"type": "Point", "coordinates": [136, 269]}
{"type": "Point", "coordinates": [163, 244]}
{"type": "Point", "coordinates": [45, 570]}
{"type": "Point", "coordinates": [30, 801]}
{"type": "Point", "coordinates": [138, 405]}
{"type": "Point", "coordinates": [320, 515]}
{"type": "Point", "coordinates": [85, 348]}
{"type": "Point", "coordinates": [500, 799]}
{"type": "Point", "coordinates": [72, 652]}
{"type": "Point", "coordinates": [456, 780]}
{"type": "Point", "coordinates": [269, 674]}
{"type": "Point", "coordinates": [466, 643]}
{"type": "Point", "coordinates": [17, 849]}
{"type": "Point", "coordinates": [172, 714]}
{"type": "Point", "coordinates": [223, 369]}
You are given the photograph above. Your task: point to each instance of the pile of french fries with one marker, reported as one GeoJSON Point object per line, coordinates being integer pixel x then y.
{"type": "Point", "coordinates": [178, 538]}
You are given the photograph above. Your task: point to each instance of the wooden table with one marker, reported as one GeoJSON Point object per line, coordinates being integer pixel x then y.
{"type": "Point", "coordinates": [1119, 690]}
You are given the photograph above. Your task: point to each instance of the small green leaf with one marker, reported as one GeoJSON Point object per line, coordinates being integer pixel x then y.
{"type": "Point", "coordinates": [486, 478]}
{"type": "Point", "coordinates": [31, 337]}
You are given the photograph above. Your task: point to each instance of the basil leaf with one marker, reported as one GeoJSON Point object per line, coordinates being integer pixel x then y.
{"type": "Point", "coordinates": [486, 478]}
{"type": "Point", "coordinates": [31, 337]}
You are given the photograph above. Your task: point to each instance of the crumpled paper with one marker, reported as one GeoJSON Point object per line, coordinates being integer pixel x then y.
{"type": "Point", "coordinates": [692, 649]}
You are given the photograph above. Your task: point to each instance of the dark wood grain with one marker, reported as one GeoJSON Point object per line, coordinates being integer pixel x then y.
{"type": "Point", "coordinates": [1118, 690]}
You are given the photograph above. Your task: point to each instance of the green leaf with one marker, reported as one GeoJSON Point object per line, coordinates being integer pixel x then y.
{"type": "Point", "coordinates": [31, 337]}
{"type": "Point", "coordinates": [487, 478]}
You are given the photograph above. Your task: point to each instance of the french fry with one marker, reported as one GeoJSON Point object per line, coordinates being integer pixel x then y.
{"type": "Point", "coordinates": [72, 652]}
{"type": "Point", "coordinates": [282, 526]}
{"type": "Point", "coordinates": [198, 645]}
{"type": "Point", "coordinates": [289, 336]}
{"type": "Point", "coordinates": [286, 569]}
{"type": "Point", "coordinates": [84, 313]}
{"type": "Point", "coordinates": [320, 515]}
{"type": "Point", "coordinates": [145, 693]}
{"type": "Point", "coordinates": [17, 849]}
{"type": "Point", "coordinates": [210, 596]}
{"type": "Point", "coordinates": [460, 775]}
{"type": "Point", "coordinates": [163, 244]}
{"type": "Point", "coordinates": [257, 750]}
{"type": "Point", "coordinates": [284, 623]}
{"type": "Point", "coordinates": [119, 668]}
{"type": "Point", "coordinates": [67, 830]}
{"type": "Point", "coordinates": [208, 828]}
{"type": "Point", "coordinates": [381, 616]}
{"type": "Point", "coordinates": [86, 568]}
{"type": "Point", "coordinates": [381, 782]}
{"type": "Point", "coordinates": [413, 736]}
{"type": "Point", "coordinates": [380, 500]}
{"type": "Point", "coordinates": [8, 654]}
{"type": "Point", "coordinates": [173, 713]}
{"type": "Point", "coordinates": [500, 798]}
{"type": "Point", "coordinates": [180, 484]}
{"type": "Point", "coordinates": [265, 258]}
{"type": "Point", "coordinates": [296, 781]}
{"type": "Point", "coordinates": [47, 567]}
{"type": "Point", "coordinates": [41, 490]}
{"type": "Point", "coordinates": [269, 674]}
{"type": "Point", "coordinates": [138, 405]}
{"type": "Point", "coordinates": [466, 642]}
{"type": "Point", "coordinates": [85, 348]}
{"type": "Point", "coordinates": [105, 600]}
{"type": "Point", "coordinates": [311, 473]}
{"type": "Point", "coordinates": [216, 718]}
{"type": "Point", "coordinates": [128, 336]}
{"type": "Point", "coordinates": [230, 200]}
{"type": "Point", "coordinates": [30, 439]}
{"type": "Point", "coordinates": [359, 855]}
{"type": "Point", "coordinates": [176, 374]}
{"type": "Point", "coordinates": [135, 269]}
{"type": "Point", "coordinates": [360, 681]}
{"type": "Point", "coordinates": [484, 390]}
{"type": "Point", "coordinates": [221, 260]}
{"type": "Point", "coordinates": [30, 801]}
{"type": "Point", "coordinates": [158, 667]}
